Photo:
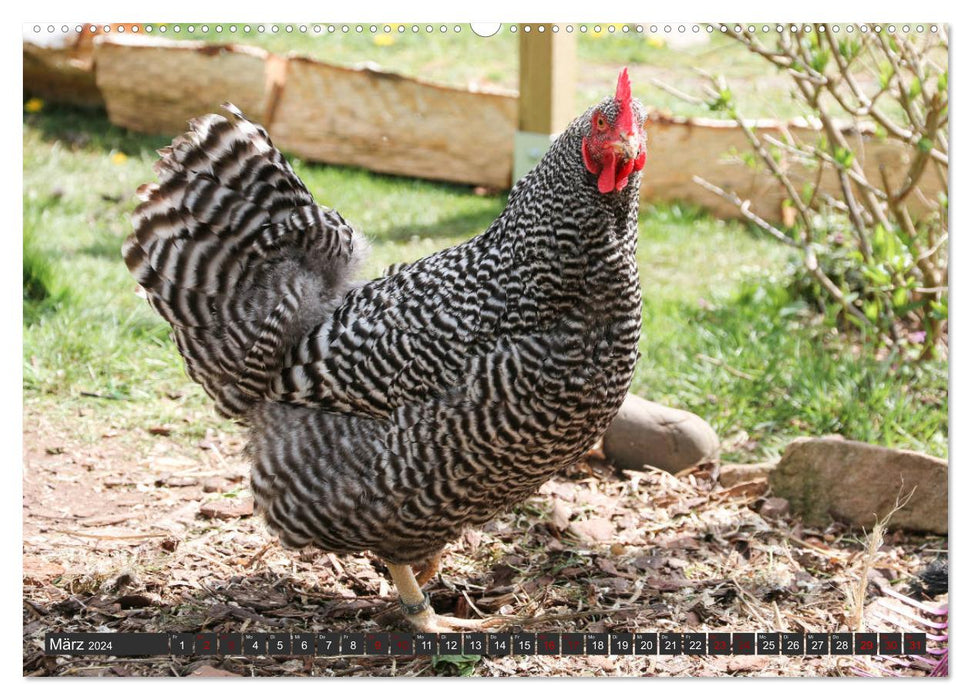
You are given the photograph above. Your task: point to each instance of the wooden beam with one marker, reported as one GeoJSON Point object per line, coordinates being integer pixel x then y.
{"type": "Point", "coordinates": [547, 73]}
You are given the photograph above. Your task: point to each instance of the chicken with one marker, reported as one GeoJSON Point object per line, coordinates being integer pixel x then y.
{"type": "Point", "coordinates": [391, 414]}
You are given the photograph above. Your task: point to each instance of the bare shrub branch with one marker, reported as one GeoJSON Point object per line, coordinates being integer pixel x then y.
{"type": "Point", "coordinates": [860, 88]}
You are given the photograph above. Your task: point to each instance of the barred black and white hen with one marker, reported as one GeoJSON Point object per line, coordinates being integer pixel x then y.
{"type": "Point", "coordinates": [390, 414]}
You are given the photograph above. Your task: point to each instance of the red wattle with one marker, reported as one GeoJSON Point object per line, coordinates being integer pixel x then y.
{"type": "Point", "coordinates": [605, 183]}
{"type": "Point", "coordinates": [624, 171]}
{"type": "Point", "coordinates": [640, 160]}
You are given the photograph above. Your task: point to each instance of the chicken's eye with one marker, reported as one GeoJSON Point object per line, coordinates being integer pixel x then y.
{"type": "Point", "coordinates": [601, 122]}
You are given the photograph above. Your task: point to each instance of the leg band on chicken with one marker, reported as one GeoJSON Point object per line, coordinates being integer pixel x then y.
{"type": "Point", "coordinates": [417, 608]}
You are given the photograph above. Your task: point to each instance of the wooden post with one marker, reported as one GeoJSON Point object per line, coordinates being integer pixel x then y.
{"type": "Point", "coordinates": [547, 73]}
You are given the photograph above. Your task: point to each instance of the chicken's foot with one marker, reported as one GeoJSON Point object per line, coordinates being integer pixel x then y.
{"type": "Point", "coordinates": [418, 610]}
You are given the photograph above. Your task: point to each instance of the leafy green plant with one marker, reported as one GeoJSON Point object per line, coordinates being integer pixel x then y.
{"type": "Point", "coordinates": [455, 664]}
{"type": "Point", "coordinates": [879, 249]}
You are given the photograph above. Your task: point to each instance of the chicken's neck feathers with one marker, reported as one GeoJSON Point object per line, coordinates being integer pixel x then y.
{"type": "Point", "coordinates": [559, 226]}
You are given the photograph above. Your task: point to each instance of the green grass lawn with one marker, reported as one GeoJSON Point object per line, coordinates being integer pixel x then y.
{"type": "Point", "coordinates": [721, 336]}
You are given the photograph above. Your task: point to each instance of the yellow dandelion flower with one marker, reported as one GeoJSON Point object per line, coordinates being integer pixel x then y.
{"type": "Point", "coordinates": [118, 158]}
{"type": "Point", "coordinates": [34, 104]}
{"type": "Point", "coordinates": [383, 40]}
{"type": "Point", "coordinates": [655, 42]}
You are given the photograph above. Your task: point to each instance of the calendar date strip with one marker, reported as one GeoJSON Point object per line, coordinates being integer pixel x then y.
{"type": "Point", "coordinates": [332, 644]}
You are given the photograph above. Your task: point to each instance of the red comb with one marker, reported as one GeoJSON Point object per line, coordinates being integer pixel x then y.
{"type": "Point", "coordinates": [623, 87]}
{"type": "Point", "coordinates": [625, 120]}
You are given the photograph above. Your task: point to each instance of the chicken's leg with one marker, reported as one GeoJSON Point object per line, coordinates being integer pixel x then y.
{"type": "Point", "coordinates": [428, 569]}
{"type": "Point", "coordinates": [418, 609]}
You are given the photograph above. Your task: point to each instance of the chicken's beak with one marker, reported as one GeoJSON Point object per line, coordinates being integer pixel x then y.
{"type": "Point", "coordinates": [627, 147]}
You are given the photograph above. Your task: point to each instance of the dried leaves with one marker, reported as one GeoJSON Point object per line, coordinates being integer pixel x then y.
{"type": "Point", "coordinates": [154, 543]}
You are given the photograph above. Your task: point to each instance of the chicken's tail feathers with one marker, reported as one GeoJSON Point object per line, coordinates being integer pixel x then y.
{"type": "Point", "coordinates": [232, 251]}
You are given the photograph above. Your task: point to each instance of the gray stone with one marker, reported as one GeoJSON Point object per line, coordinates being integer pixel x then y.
{"type": "Point", "coordinates": [827, 479]}
{"type": "Point", "coordinates": [647, 433]}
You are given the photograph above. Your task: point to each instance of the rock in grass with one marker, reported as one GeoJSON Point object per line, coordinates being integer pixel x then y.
{"type": "Point", "coordinates": [647, 433]}
{"type": "Point", "coordinates": [827, 479]}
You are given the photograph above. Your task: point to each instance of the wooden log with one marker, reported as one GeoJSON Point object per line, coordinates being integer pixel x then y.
{"type": "Point", "coordinates": [679, 149]}
{"type": "Point", "coordinates": [59, 68]}
{"type": "Point", "coordinates": [156, 85]}
{"type": "Point", "coordinates": [391, 124]}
